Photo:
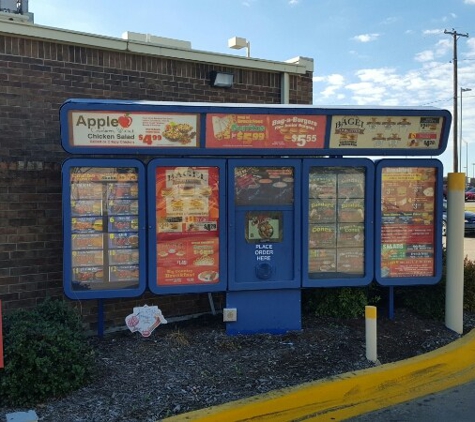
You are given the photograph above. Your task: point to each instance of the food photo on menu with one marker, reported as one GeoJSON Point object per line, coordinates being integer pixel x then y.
{"type": "Point", "coordinates": [264, 185]}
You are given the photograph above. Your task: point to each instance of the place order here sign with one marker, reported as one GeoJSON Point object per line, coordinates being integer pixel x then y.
{"type": "Point", "coordinates": [111, 129]}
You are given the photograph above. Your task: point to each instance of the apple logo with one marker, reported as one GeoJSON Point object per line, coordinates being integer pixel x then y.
{"type": "Point", "coordinates": [125, 121]}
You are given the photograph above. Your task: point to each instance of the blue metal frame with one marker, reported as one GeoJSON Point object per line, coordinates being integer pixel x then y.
{"type": "Point", "coordinates": [295, 282]}
{"type": "Point", "coordinates": [152, 225]}
{"type": "Point", "coordinates": [338, 279]}
{"type": "Point", "coordinates": [203, 108]}
{"type": "Point", "coordinates": [407, 281]}
{"type": "Point", "coordinates": [67, 229]}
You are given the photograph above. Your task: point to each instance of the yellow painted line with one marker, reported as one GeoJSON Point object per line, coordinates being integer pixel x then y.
{"type": "Point", "coordinates": [353, 393]}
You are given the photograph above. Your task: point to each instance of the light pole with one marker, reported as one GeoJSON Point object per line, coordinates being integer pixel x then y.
{"type": "Point", "coordinates": [238, 43]}
{"type": "Point", "coordinates": [467, 177]}
{"type": "Point", "coordinates": [462, 90]}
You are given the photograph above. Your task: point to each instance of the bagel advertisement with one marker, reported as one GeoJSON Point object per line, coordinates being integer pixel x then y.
{"type": "Point", "coordinates": [187, 208]}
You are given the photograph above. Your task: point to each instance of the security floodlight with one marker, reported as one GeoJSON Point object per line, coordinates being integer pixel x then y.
{"type": "Point", "coordinates": [221, 79]}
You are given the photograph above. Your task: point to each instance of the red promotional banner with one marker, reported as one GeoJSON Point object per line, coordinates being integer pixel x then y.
{"type": "Point", "coordinates": [187, 225]}
{"type": "Point", "coordinates": [264, 131]}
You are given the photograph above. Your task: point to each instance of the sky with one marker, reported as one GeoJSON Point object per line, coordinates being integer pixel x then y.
{"type": "Point", "coordinates": [365, 52]}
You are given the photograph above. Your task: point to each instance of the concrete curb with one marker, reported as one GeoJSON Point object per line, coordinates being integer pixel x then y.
{"type": "Point", "coordinates": [353, 393]}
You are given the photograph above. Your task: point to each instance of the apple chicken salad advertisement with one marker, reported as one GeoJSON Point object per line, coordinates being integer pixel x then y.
{"type": "Point", "coordinates": [133, 129]}
{"type": "Point", "coordinates": [407, 231]}
{"type": "Point", "coordinates": [104, 227]}
{"type": "Point", "coordinates": [187, 210]}
{"type": "Point", "coordinates": [336, 221]}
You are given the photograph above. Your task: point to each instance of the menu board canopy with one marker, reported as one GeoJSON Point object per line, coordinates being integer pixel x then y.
{"type": "Point", "coordinates": [90, 126]}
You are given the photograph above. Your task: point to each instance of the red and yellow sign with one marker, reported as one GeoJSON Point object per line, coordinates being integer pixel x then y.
{"type": "Point", "coordinates": [264, 131]}
{"type": "Point", "coordinates": [187, 211]}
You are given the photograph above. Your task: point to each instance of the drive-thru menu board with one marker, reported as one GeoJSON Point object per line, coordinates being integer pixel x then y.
{"type": "Point", "coordinates": [102, 220]}
{"type": "Point", "coordinates": [408, 221]}
{"type": "Point", "coordinates": [336, 221]}
{"type": "Point", "coordinates": [187, 215]}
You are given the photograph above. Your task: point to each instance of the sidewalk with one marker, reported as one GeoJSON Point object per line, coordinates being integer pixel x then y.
{"type": "Point", "coordinates": [353, 394]}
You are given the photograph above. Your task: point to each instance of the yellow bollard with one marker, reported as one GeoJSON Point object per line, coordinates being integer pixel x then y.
{"type": "Point", "coordinates": [371, 337]}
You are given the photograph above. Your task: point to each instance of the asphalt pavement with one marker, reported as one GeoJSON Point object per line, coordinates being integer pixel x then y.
{"type": "Point", "coordinates": [456, 404]}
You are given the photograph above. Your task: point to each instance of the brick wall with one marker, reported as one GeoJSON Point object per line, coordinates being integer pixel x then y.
{"type": "Point", "coordinates": [36, 77]}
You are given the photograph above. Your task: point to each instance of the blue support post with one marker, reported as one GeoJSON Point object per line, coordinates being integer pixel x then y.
{"type": "Point", "coordinates": [391, 302]}
{"type": "Point", "coordinates": [100, 318]}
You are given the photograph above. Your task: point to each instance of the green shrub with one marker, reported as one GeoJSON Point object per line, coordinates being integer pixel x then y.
{"type": "Point", "coordinates": [46, 354]}
{"type": "Point", "coordinates": [426, 301]}
{"type": "Point", "coordinates": [340, 302]}
{"type": "Point", "coordinates": [469, 286]}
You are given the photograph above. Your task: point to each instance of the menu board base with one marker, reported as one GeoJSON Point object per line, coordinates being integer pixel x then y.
{"type": "Point", "coordinates": [265, 311]}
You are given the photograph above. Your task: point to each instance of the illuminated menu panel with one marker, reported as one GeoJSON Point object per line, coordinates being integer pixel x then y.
{"type": "Point", "coordinates": [336, 217]}
{"type": "Point", "coordinates": [104, 228]}
{"type": "Point", "coordinates": [187, 215]}
{"type": "Point", "coordinates": [407, 226]}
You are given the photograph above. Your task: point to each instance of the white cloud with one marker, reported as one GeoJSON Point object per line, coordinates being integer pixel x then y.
{"type": "Point", "coordinates": [424, 56]}
{"type": "Point", "coordinates": [390, 20]}
{"type": "Point", "coordinates": [443, 46]}
{"type": "Point", "coordinates": [386, 87]}
{"type": "Point", "coordinates": [380, 75]}
{"type": "Point", "coordinates": [293, 2]}
{"type": "Point", "coordinates": [329, 91]}
{"type": "Point", "coordinates": [469, 1]}
{"type": "Point", "coordinates": [471, 47]}
{"type": "Point", "coordinates": [334, 83]}
{"type": "Point", "coordinates": [433, 31]}
{"type": "Point", "coordinates": [366, 37]}
{"type": "Point", "coordinates": [336, 79]}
